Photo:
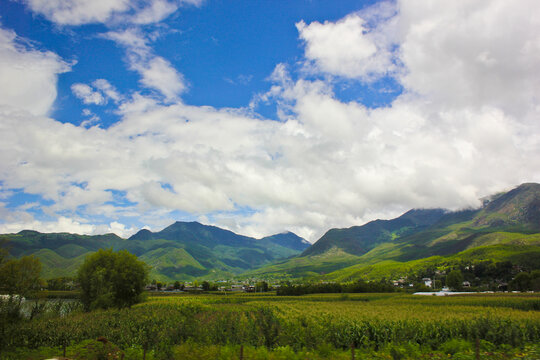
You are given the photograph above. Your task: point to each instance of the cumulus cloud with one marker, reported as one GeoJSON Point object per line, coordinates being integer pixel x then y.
{"type": "Point", "coordinates": [467, 53]}
{"type": "Point", "coordinates": [156, 72]}
{"type": "Point", "coordinates": [352, 47]}
{"type": "Point", "coordinates": [327, 163]}
{"type": "Point", "coordinates": [107, 89]}
{"type": "Point", "coordinates": [27, 76]}
{"type": "Point", "coordinates": [87, 95]}
{"type": "Point", "coordinates": [79, 12]}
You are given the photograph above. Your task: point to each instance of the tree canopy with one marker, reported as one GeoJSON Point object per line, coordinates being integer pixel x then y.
{"type": "Point", "coordinates": [110, 279]}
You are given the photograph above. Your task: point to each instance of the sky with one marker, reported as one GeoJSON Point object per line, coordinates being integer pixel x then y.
{"type": "Point", "coordinates": [261, 116]}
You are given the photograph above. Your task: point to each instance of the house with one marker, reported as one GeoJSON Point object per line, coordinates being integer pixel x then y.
{"type": "Point", "coordinates": [466, 284]}
{"type": "Point", "coordinates": [428, 282]}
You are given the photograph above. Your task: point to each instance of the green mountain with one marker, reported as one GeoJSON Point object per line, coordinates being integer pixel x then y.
{"type": "Point", "coordinates": [387, 247]}
{"type": "Point", "coordinates": [182, 251]}
{"type": "Point", "coordinates": [358, 240]}
{"type": "Point", "coordinates": [506, 228]}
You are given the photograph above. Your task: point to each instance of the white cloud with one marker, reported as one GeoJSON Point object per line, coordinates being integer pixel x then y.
{"type": "Point", "coordinates": [27, 76]}
{"type": "Point", "coordinates": [109, 90]}
{"type": "Point", "coordinates": [156, 72]}
{"type": "Point", "coordinates": [87, 95]}
{"type": "Point", "coordinates": [472, 53]}
{"type": "Point", "coordinates": [328, 163]}
{"type": "Point", "coordinates": [349, 47]}
{"type": "Point", "coordinates": [79, 12]}
{"type": "Point", "coordinates": [64, 224]}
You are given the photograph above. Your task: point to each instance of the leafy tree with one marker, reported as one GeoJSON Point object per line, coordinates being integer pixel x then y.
{"type": "Point", "coordinates": [205, 285]}
{"type": "Point", "coordinates": [20, 276]}
{"type": "Point", "coordinates": [110, 278]}
{"type": "Point", "coordinates": [261, 286]}
{"type": "Point", "coordinates": [521, 282]}
{"type": "Point", "coordinates": [454, 280]}
{"type": "Point", "coordinates": [178, 285]}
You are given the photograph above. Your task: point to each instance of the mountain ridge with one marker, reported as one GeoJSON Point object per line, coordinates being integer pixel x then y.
{"type": "Point", "coordinates": [191, 250]}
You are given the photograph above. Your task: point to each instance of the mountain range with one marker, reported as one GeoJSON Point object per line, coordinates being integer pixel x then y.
{"type": "Point", "coordinates": [505, 228]}
{"type": "Point", "coordinates": [181, 251]}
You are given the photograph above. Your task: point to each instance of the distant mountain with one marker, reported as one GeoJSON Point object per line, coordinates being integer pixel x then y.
{"type": "Point", "coordinates": [182, 251]}
{"type": "Point", "coordinates": [506, 228]}
{"type": "Point", "coordinates": [510, 219]}
{"type": "Point", "coordinates": [288, 240]}
{"type": "Point", "coordinates": [358, 240]}
{"type": "Point", "coordinates": [518, 207]}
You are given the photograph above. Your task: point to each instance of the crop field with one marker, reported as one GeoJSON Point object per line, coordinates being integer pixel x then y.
{"type": "Point", "coordinates": [265, 326]}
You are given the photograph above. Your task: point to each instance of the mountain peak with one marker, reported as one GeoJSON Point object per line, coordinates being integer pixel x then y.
{"type": "Point", "coordinates": [519, 206]}
{"type": "Point", "coordinates": [289, 240]}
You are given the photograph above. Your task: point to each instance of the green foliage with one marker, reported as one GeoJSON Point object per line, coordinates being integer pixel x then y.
{"type": "Point", "coordinates": [20, 276]}
{"type": "Point", "coordinates": [311, 326]}
{"type": "Point", "coordinates": [261, 286]}
{"type": "Point", "coordinates": [454, 280]}
{"type": "Point", "coordinates": [111, 279]}
{"type": "Point", "coordinates": [359, 286]}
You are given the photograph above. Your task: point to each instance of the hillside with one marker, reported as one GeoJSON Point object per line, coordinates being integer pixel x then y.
{"type": "Point", "coordinates": [182, 251]}
{"type": "Point", "coordinates": [510, 218]}
{"type": "Point", "coordinates": [506, 228]}
{"type": "Point", "coordinates": [358, 240]}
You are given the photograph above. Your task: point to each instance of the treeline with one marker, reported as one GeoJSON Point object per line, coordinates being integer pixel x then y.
{"type": "Point", "coordinates": [359, 286]}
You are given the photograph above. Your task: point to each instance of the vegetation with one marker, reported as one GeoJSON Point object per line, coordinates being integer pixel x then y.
{"type": "Point", "coordinates": [111, 279]}
{"type": "Point", "coordinates": [359, 286]}
{"type": "Point", "coordinates": [19, 278]}
{"type": "Point", "coordinates": [324, 326]}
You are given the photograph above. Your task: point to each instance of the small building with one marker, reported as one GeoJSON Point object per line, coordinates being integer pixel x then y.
{"type": "Point", "coordinates": [428, 282]}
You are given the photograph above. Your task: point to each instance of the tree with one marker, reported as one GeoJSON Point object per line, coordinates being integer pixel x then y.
{"type": "Point", "coordinates": [178, 285]}
{"type": "Point", "coordinates": [20, 276]}
{"type": "Point", "coordinates": [454, 280]}
{"type": "Point", "coordinates": [205, 285]}
{"type": "Point", "coordinates": [521, 282]}
{"type": "Point", "coordinates": [110, 278]}
{"type": "Point", "coordinates": [261, 286]}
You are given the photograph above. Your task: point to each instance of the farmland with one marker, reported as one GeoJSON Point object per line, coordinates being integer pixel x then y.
{"type": "Point", "coordinates": [265, 326]}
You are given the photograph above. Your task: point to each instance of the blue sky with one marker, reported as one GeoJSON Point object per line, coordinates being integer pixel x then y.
{"type": "Point", "coordinates": [260, 116]}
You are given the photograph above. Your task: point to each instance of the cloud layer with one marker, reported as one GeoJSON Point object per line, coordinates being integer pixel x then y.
{"type": "Point", "coordinates": [465, 126]}
{"type": "Point", "coordinates": [80, 12]}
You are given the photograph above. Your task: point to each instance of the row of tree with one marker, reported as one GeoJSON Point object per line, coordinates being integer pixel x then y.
{"type": "Point", "coordinates": [359, 286]}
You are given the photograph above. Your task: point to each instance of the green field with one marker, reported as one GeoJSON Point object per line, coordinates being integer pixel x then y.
{"type": "Point", "coordinates": [266, 326]}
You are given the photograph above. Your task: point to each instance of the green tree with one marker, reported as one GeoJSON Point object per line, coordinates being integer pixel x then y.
{"type": "Point", "coordinates": [454, 280]}
{"type": "Point", "coordinates": [205, 285]}
{"type": "Point", "coordinates": [178, 285]}
{"type": "Point", "coordinates": [20, 276]}
{"type": "Point", "coordinates": [261, 286]}
{"type": "Point", "coordinates": [521, 282]}
{"type": "Point", "coordinates": [110, 278]}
